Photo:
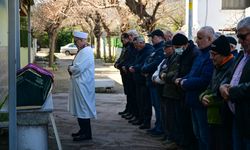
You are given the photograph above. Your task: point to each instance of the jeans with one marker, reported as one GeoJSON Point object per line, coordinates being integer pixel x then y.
{"type": "Point", "coordinates": [155, 100]}
{"type": "Point", "coordinates": [200, 127]}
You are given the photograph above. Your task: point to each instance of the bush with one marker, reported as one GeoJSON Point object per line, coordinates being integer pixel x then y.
{"type": "Point", "coordinates": [64, 37]}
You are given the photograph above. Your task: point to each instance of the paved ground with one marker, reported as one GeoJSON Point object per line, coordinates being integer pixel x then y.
{"type": "Point", "coordinates": [110, 131]}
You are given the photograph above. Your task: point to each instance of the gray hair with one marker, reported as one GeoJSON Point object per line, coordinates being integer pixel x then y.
{"type": "Point", "coordinates": [133, 32]}
{"type": "Point", "coordinates": [209, 31]}
{"type": "Point", "coordinates": [244, 23]}
{"type": "Point", "coordinates": [139, 39]}
{"type": "Point", "coordinates": [168, 32]}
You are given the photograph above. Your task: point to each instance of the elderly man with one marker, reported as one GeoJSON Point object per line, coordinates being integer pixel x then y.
{"type": "Point", "coordinates": [196, 82]}
{"type": "Point", "coordinates": [131, 95]}
{"type": "Point", "coordinates": [236, 89]}
{"type": "Point", "coordinates": [142, 92]}
{"type": "Point", "coordinates": [82, 92]}
{"type": "Point", "coordinates": [222, 59]}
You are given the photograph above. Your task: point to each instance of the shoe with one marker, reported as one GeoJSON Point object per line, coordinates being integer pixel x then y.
{"type": "Point", "coordinates": [143, 126]}
{"type": "Point", "coordinates": [129, 117]}
{"type": "Point", "coordinates": [172, 146]}
{"type": "Point", "coordinates": [132, 120]}
{"type": "Point", "coordinates": [82, 137]}
{"type": "Point", "coordinates": [75, 134]}
{"type": "Point", "coordinates": [156, 134]}
{"type": "Point", "coordinates": [167, 142]}
{"type": "Point", "coordinates": [137, 122]}
{"type": "Point", "coordinates": [151, 130]}
{"type": "Point", "coordinates": [122, 112]}
{"type": "Point", "coordinates": [125, 115]}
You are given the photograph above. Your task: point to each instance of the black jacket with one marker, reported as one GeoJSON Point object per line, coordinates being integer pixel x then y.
{"type": "Point", "coordinates": [240, 94]}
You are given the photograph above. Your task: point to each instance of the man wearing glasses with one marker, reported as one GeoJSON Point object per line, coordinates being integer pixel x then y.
{"type": "Point", "coordinates": [236, 90]}
{"type": "Point", "coordinates": [82, 91]}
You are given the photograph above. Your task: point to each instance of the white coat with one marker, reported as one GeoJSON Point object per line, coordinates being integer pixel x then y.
{"type": "Point", "coordinates": [82, 91]}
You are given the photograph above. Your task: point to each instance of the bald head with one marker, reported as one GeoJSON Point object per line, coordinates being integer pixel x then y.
{"type": "Point", "coordinates": [205, 37]}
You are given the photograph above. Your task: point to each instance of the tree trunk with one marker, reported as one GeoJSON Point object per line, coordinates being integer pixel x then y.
{"type": "Point", "coordinates": [109, 44]}
{"type": "Point", "coordinates": [52, 45]}
{"type": "Point", "coordinates": [98, 45]}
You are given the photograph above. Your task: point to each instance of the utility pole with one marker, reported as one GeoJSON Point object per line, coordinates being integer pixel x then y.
{"type": "Point", "coordinates": [190, 19]}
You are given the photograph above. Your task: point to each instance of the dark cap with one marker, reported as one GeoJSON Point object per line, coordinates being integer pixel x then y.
{"type": "Point", "coordinates": [156, 32]}
{"type": "Point", "coordinates": [168, 44]}
{"type": "Point", "coordinates": [231, 40]}
{"type": "Point", "coordinates": [221, 46]}
{"type": "Point", "coordinates": [179, 39]}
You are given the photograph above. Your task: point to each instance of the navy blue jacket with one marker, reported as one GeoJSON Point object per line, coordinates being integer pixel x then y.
{"type": "Point", "coordinates": [153, 60]}
{"type": "Point", "coordinates": [139, 61]}
{"type": "Point", "coordinates": [198, 78]}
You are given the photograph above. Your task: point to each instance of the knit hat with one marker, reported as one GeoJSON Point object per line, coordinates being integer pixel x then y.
{"type": "Point", "coordinates": [168, 44]}
{"type": "Point", "coordinates": [231, 40]}
{"type": "Point", "coordinates": [179, 39]}
{"type": "Point", "coordinates": [156, 32]}
{"type": "Point", "coordinates": [221, 46]}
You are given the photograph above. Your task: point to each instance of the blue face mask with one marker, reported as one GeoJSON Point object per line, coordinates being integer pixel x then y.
{"type": "Point", "coordinates": [179, 50]}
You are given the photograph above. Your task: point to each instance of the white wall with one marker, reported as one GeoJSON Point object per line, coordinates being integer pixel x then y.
{"type": "Point", "coordinates": [247, 12]}
{"type": "Point", "coordinates": [209, 13]}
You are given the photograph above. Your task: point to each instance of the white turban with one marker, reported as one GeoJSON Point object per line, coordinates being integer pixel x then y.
{"type": "Point", "coordinates": [81, 35]}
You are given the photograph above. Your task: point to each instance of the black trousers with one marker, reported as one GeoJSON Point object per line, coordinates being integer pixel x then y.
{"type": "Point", "coordinates": [85, 127]}
{"type": "Point", "coordinates": [131, 95]}
{"type": "Point", "coordinates": [143, 104]}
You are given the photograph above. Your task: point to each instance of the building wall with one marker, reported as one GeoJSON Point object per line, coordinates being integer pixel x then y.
{"type": "Point", "coordinates": [3, 48]}
{"type": "Point", "coordinates": [209, 12]}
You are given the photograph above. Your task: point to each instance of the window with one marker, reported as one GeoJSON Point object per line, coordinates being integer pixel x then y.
{"type": "Point", "coordinates": [235, 4]}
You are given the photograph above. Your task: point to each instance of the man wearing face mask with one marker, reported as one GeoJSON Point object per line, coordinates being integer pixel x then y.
{"type": "Point", "coordinates": [177, 113]}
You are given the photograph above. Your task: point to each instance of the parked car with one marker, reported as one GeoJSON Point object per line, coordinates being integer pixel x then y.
{"type": "Point", "coordinates": [69, 49]}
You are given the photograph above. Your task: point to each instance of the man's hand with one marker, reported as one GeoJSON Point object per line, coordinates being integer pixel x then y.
{"type": "Point", "coordinates": [205, 101]}
{"type": "Point", "coordinates": [177, 81]}
{"type": "Point", "coordinates": [163, 76]}
{"type": "Point", "coordinates": [124, 69]}
{"type": "Point", "coordinates": [131, 69]}
{"type": "Point", "coordinates": [224, 89]}
{"type": "Point", "coordinates": [70, 73]}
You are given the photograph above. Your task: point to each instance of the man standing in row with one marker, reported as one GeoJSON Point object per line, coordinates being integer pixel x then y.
{"type": "Point", "coordinates": [236, 89]}
{"type": "Point", "coordinates": [148, 70]}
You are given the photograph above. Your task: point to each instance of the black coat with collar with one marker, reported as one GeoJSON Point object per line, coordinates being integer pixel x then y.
{"type": "Point", "coordinates": [240, 95]}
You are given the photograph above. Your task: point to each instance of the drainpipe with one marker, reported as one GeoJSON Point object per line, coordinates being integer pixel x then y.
{"type": "Point", "coordinates": [13, 15]}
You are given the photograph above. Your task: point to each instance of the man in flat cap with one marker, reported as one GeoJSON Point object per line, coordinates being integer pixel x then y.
{"type": "Point", "coordinates": [82, 91]}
